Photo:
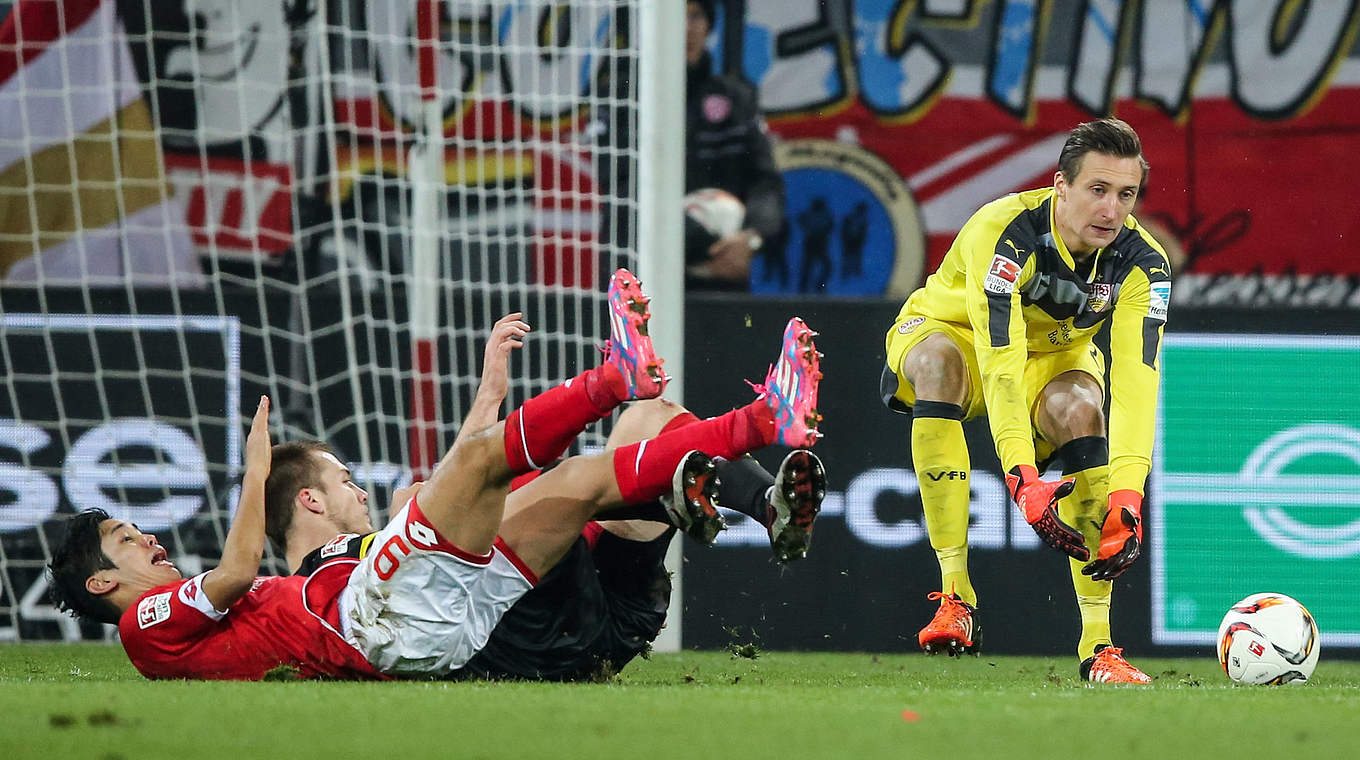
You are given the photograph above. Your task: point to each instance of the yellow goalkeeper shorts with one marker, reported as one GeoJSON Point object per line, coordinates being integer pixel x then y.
{"type": "Point", "coordinates": [1040, 368]}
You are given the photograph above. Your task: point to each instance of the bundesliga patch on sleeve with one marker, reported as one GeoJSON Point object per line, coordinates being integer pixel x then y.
{"type": "Point", "coordinates": [1001, 276]}
{"type": "Point", "coordinates": [153, 609]}
{"type": "Point", "coordinates": [1159, 300]}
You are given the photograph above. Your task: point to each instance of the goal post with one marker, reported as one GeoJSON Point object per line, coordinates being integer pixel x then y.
{"type": "Point", "coordinates": [661, 187]}
{"type": "Point", "coordinates": [328, 201]}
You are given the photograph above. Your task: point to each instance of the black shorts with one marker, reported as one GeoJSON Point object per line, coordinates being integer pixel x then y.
{"type": "Point", "coordinates": [588, 617]}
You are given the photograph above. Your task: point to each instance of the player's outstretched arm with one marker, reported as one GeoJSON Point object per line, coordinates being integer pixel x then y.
{"type": "Point", "coordinates": [506, 335]}
{"type": "Point", "coordinates": [242, 550]}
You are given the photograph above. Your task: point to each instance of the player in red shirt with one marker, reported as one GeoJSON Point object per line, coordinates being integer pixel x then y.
{"type": "Point", "coordinates": [450, 562]}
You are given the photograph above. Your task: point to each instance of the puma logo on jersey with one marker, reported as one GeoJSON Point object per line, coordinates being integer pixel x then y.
{"type": "Point", "coordinates": [1019, 254]}
{"type": "Point", "coordinates": [1155, 270]}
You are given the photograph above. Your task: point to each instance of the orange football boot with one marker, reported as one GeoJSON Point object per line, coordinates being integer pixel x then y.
{"type": "Point", "coordinates": [954, 628]}
{"type": "Point", "coordinates": [1108, 665]}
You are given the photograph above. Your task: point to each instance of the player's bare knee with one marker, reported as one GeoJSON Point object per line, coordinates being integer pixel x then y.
{"type": "Point", "coordinates": [642, 419]}
{"type": "Point", "coordinates": [936, 370]}
{"type": "Point", "coordinates": [1072, 415]}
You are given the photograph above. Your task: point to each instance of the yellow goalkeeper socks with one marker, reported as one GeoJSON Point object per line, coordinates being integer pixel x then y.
{"type": "Point", "coordinates": [1095, 620]}
{"type": "Point", "coordinates": [940, 456]}
{"type": "Point", "coordinates": [1087, 460]}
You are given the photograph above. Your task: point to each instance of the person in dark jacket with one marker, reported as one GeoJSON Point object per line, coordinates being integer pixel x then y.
{"type": "Point", "coordinates": [726, 147]}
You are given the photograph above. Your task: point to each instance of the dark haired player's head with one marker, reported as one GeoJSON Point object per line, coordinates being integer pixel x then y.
{"type": "Point", "coordinates": [1109, 137]}
{"type": "Point", "coordinates": [78, 557]}
{"type": "Point", "coordinates": [293, 467]}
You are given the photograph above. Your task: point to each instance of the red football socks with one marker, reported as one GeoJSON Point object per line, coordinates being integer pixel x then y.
{"type": "Point", "coordinates": [542, 428]}
{"type": "Point", "coordinates": [644, 470]}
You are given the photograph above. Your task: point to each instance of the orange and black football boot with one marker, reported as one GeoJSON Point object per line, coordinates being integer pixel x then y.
{"type": "Point", "coordinates": [1108, 665]}
{"type": "Point", "coordinates": [954, 629]}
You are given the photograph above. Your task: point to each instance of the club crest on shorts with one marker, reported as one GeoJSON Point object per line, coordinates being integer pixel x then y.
{"type": "Point", "coordinates": [1099, 298]}
{"type": "Point", "coordinates": [1001, 276]}
{"type": "Point", "coordinates": [909, 325]}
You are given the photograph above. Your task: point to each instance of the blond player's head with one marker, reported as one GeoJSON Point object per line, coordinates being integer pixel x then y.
{"type": "Point", "coordinates": [308, 481]}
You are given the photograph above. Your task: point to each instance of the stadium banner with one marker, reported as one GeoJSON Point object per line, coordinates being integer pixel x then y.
{"type": "Point", "coordinates": [967, 101]}
{"type": "Point", "coordinates": [1258, 474]}
{"type": "Point", "coordinates": [894, 121]}
{"type": "Point", "coordinates": [99, 429]}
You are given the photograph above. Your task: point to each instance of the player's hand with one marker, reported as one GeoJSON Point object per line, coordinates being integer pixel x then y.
{"type": "Point", "coordinates": [1038, 501]}
{"type": "Point", "coordinates": [259, 449]}
{"type": "Point", "coordinates": [730, 257]}
{"type": "Point", "coordinates": [506, 335]}
{"type": "Point", "coordinates": [1121, 537]}
{"type": "Point", "coordinates": [403, 495]}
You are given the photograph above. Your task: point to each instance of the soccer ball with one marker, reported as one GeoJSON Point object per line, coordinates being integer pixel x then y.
{"type": "Point", "coordinates": [718, 211]}
{"type": "Point", "coordinates": [1268, 639]}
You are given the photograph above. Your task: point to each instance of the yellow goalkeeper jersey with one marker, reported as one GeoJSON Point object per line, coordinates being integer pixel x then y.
{"type": "Point", "coordinates": [1011, 278]}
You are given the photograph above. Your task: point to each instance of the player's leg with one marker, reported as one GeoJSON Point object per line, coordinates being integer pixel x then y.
{"type": "Point", "coordinates": [1069, 415]}
{"type": "Point", "coordinates": [786, 503]}
{"type": "Point", "coordinates": [938, 376]}
{"type": "Point", "coordinates": [544, 516]}
{"type": "Point", "coordinates": [464, 498]}
{"type": "Point", "coordinates": [541, 430]}
{"type": "Point", "coordinates": [640, 421]}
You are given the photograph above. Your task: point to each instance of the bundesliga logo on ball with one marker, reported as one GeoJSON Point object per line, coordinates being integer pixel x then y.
{"type": "Point", "coordinates": [1268, 639]}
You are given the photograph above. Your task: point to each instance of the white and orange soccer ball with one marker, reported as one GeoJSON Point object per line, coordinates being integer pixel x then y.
{"type": "Point", "coordinates": [1268, 639]}
{"type": "Point", "coordinates": [718, 211]}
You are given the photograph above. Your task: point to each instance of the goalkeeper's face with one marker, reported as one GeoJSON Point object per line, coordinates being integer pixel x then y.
{"type": "Point", "coordinates": [1093, 206]}
{"type": "Point", "coordinates": [346, 503]}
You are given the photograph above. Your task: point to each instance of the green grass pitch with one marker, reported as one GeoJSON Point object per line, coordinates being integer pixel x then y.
{"type": "Point", "coordinates": [86, 701]}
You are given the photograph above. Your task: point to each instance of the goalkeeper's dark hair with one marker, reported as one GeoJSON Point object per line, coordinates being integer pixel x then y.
{"type": "Point", "coordinates": [79, 556]}
{"type": "Point", "coordinates": [292, 468]}
{"type": "Point", "coordinates": [1110, 137]}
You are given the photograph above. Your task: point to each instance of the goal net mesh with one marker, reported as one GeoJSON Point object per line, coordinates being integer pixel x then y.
{"type": "Point", "coordinates": [205, 201]}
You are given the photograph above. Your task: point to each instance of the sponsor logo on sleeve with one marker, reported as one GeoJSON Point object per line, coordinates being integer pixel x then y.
{"type": "Point", "coordinates": [153, 609]}
{"type": "Point", "coordinates": [1159, 300]}
{"type": "Point", "coordinates": [337, 546]}
{"type": "Point", "coordinates": [1001, 276]}
{"type": "Point", "coordinates": [909, 325]}
{"type": "Point", "coordinates": [188, 593]}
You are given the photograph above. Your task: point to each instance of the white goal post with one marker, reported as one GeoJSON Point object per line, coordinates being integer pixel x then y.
{"type": "Point", "coordinates": [329, 201]}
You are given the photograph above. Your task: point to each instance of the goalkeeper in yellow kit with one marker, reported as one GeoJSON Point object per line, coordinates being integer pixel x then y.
{"type": "Point", "coordinates": [1004, 328]}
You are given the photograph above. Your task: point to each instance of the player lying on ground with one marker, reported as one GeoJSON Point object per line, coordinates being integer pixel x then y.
{"type": "Point", "coordinates": [450, 563]}
{"type": "Point", "coordinates": [606, 601]}
{"type": "Point", "coordinates": [1005, 328]}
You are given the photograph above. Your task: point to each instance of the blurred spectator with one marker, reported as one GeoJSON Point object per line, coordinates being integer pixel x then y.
{"type": "Point", "coordinates": [726, 147]}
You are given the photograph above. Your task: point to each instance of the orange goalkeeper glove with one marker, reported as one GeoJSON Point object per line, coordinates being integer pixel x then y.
{"type": "Point", "coordinates": [1038, 501]}
{"type": "Point", "coordinates": [1121, 537]}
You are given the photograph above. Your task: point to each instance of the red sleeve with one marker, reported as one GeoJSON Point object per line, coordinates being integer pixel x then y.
{"type": "Point", "coordinates": [168, 620]}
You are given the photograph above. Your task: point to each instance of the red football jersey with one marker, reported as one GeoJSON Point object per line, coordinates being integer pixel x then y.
{"type": "Point", "coordinates": [173, 631]}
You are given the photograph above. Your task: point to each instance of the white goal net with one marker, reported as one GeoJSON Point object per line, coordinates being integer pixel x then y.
{"type": "Point", "coordinates": [326, 201]}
